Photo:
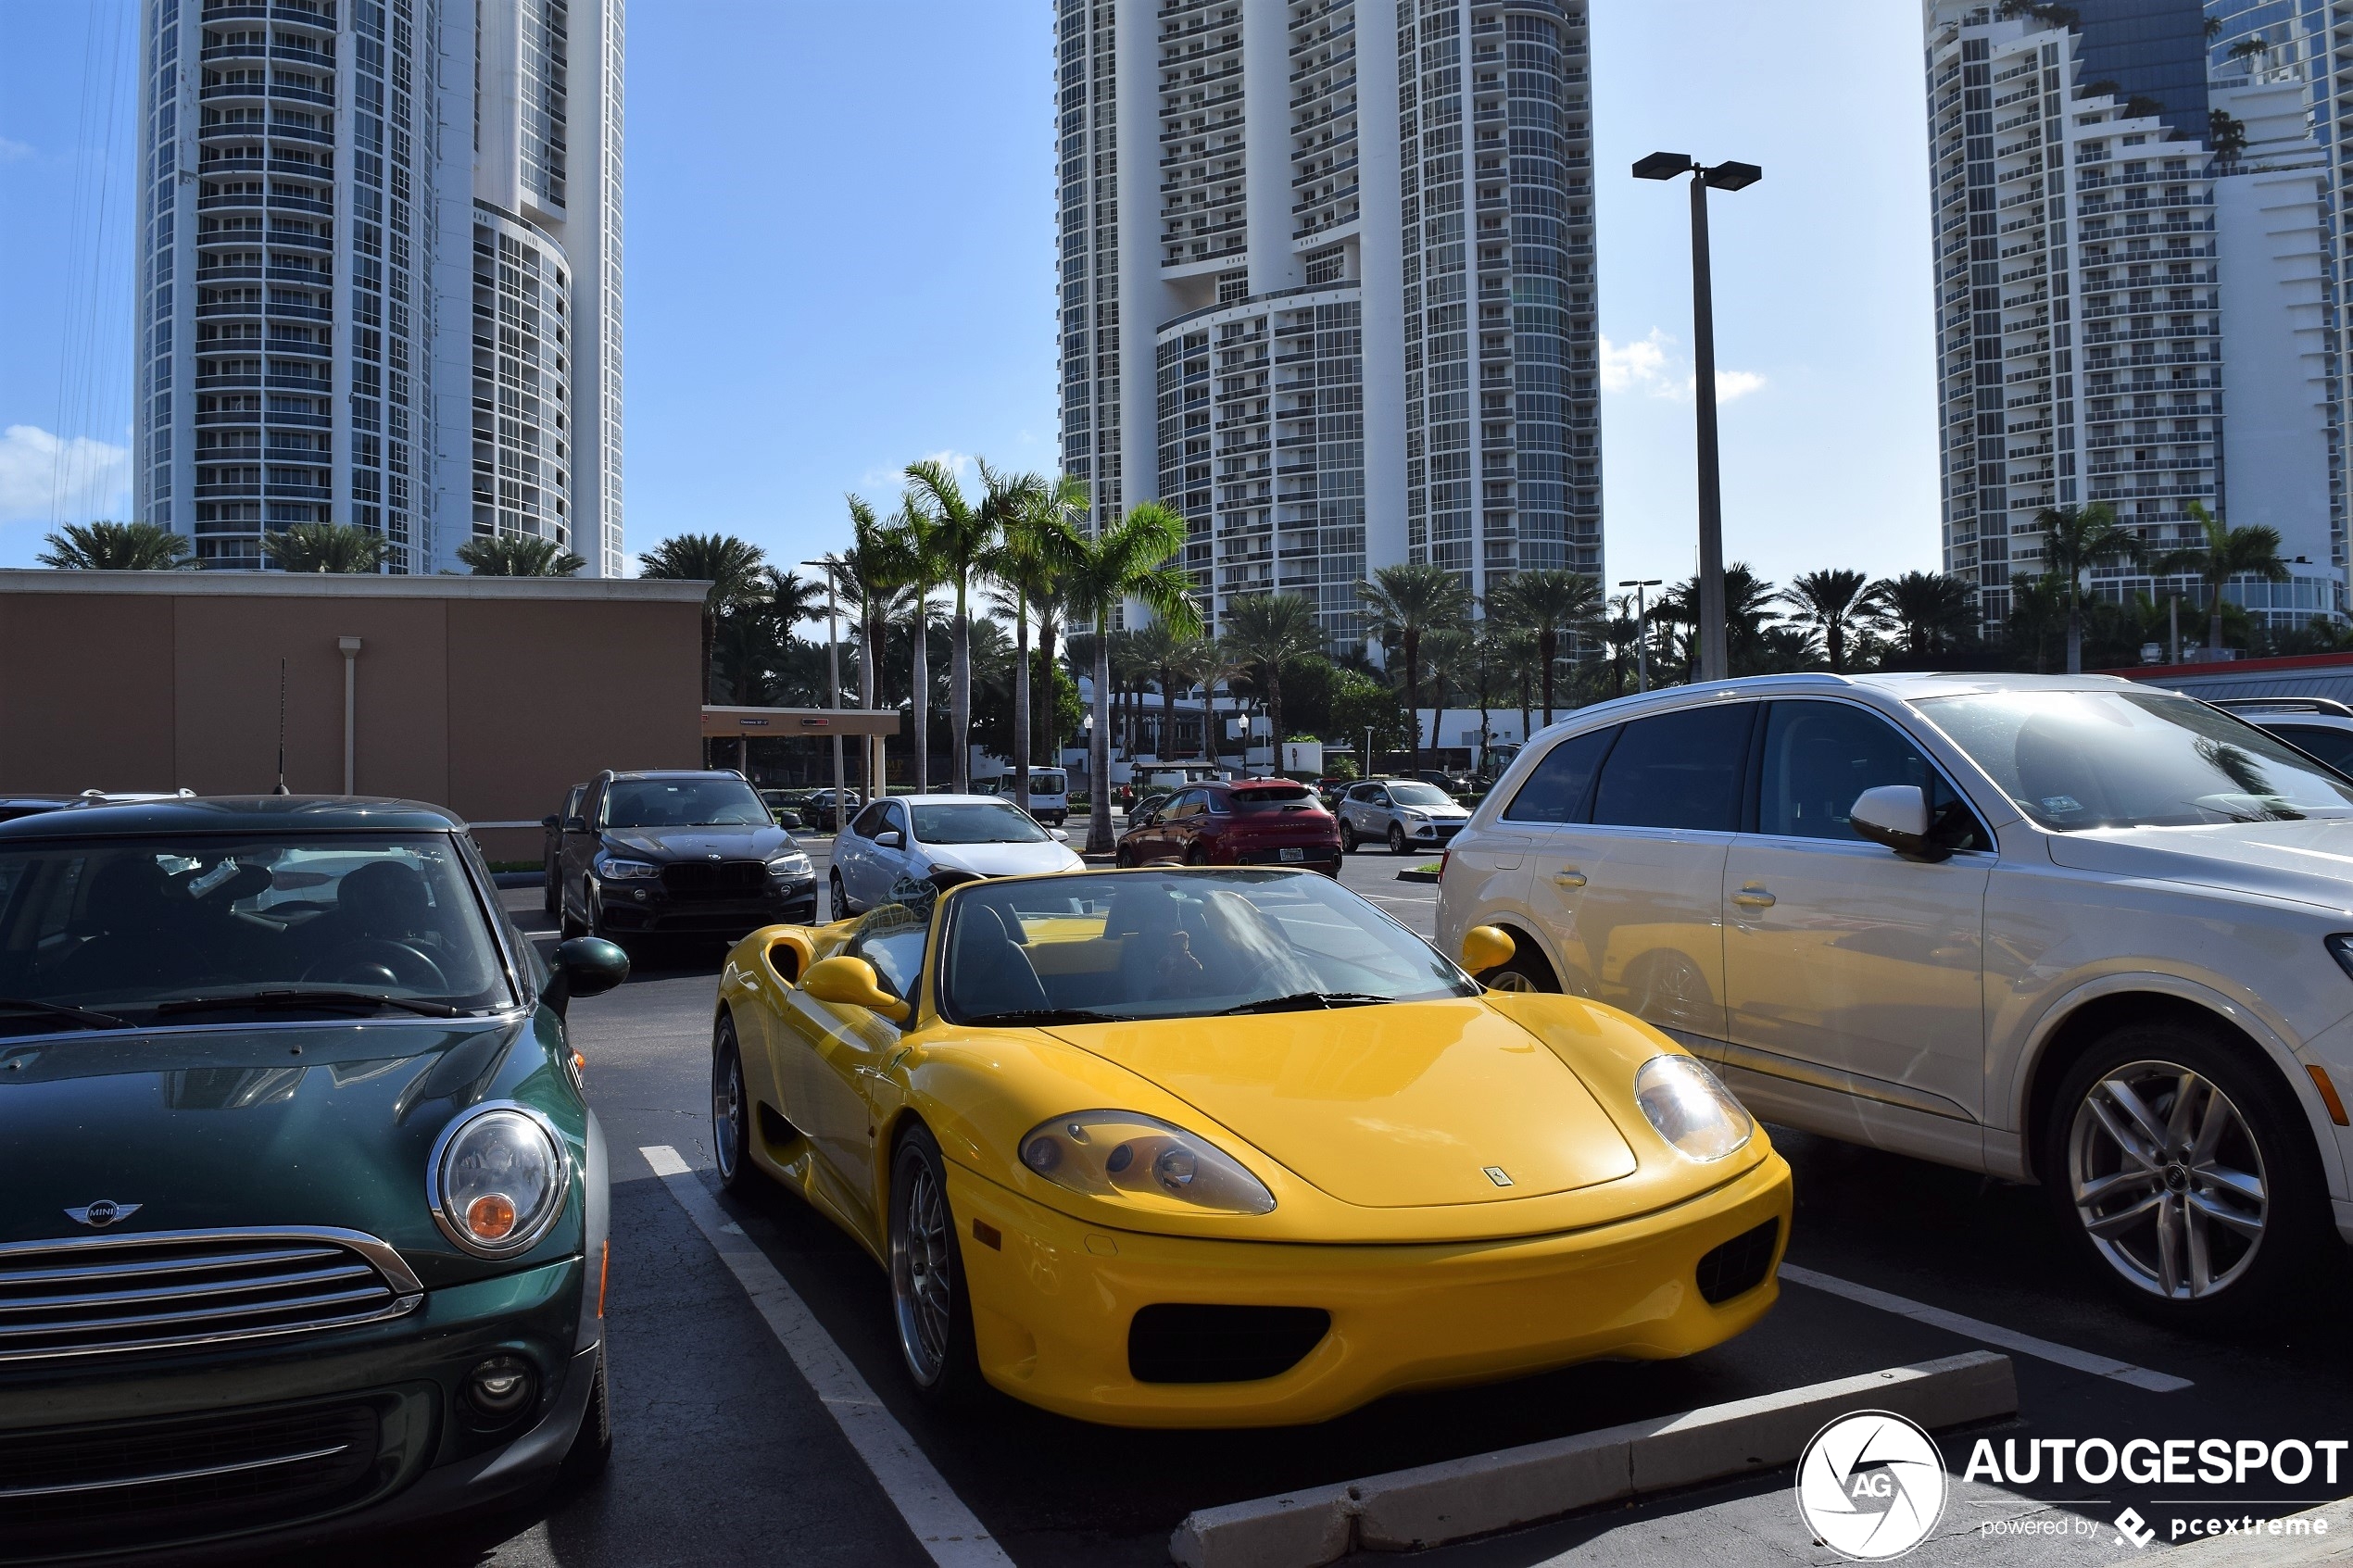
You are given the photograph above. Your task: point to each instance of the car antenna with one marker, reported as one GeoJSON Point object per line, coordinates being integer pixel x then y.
{"type": "Point", "coordinates": [281, 788]}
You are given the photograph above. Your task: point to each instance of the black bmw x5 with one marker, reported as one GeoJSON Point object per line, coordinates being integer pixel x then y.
{"type": "Point", "coordinates": [679, 854]}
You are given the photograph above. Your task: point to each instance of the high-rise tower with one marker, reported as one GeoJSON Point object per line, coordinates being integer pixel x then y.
{"type": "Point", "coordinates": [1328, 285]}
{"type": "Point", "coordinates": [379, 275]}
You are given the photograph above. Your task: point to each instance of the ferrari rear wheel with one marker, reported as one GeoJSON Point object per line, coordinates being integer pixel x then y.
{"type": "Point", "coordinates": [929, 1307]}
{"type": "Point", "coordinates": [730, 1110]}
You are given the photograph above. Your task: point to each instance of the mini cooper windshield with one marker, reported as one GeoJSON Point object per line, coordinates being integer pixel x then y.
{"type": "Point", "coordinates": [1150, 945]}
{"type": "Point", "coordinates": [104, 933]}
{"type": "Point", "coordinates": [2116, 759]}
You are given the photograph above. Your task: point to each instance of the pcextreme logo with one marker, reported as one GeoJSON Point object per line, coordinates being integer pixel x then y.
{"type": "Point", "coordinates": [1871, 1486]}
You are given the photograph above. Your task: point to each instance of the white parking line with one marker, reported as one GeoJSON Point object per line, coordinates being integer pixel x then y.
{"type": "Point", "coordinates": [937, 1516]}
{"type": "Point", "coordinates": [1987, 1332]}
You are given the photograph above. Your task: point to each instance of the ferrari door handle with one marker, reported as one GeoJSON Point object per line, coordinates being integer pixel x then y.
{"type": "Point", "coordinates": [1569, 879]}
{"type": "Point", "coordinates": [1753, 898]}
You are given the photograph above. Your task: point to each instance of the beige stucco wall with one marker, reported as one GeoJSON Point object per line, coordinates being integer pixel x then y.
{"type": "Point", "coordinates": [490, 699]}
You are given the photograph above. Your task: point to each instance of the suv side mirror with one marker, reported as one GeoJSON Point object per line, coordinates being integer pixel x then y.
{"type": "Point", "coordinates": [1896, 815]}
{"type": "Point", "coordinates": [584, 966]}
{"type": "Point", "coordinates": [848, 982]}
{"type": "Point", "coordinates": [575, 824]}
{"type": "Point", "coordinates": [790, 822]}
{"type": "Point", "coordinates": [551, 823]}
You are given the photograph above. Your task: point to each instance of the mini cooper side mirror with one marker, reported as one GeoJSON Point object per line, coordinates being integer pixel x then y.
{"type": "Point", "coordinates": [847, 981]}
{"type": "Point", "coordinates": [1486, 947]}
{"type": "Point", "coordinates": [1896, 815]}
{"type": "Point", "coordinates": [584, 966]}
{"type": "Point", "coordinates": [891, 838]}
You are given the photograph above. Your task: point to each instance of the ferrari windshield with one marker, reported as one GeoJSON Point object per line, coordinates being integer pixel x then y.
{"type": "Point", "coordinates": [1142, 945]}
{"type": "Point", "coordinates": [96, 933]}
{"type": "Point", "coordinates": [975, 822]}
{"type": "Point", "coordinates": [2134, 758]}
{"type": "Point", "coordinates": [685, 803]}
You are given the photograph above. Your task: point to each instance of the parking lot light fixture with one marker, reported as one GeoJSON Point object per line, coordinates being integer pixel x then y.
{"type": "Point", "coordinates": [833, 676]}
{"type": "Point", "coordinates": [1714, 664]}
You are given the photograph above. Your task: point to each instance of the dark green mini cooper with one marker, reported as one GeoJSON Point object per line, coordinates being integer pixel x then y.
{"type": "Point", "coordinates": [302, 1214]}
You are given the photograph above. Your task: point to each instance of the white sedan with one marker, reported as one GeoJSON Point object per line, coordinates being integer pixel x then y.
{"type": "Point", "coordinates": [913, 837]}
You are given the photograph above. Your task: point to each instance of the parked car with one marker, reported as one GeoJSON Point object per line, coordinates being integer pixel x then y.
{"type": "Point", "coordinates": [679, 854]}
{"type": "Point", "coordinates": [1247, 823]}
{"type": "Point", "coordinates": [1439, 778]}
{"type": "Point", "coordinates": [15, 805]}
{"type": "Point", "coordinates": [2070, 929]}
{"type": "Point", "coordinates": [783, 806]}
{"type": "Point", "coordinates": [2318, 725]}
{"type": "Point", "coordinates": [892, 841]}
{"type": "Point", "coordinates": [1262, 1087]}
{"type": "Point", "coordinates": [305, 1226]}
{"type": "Point", "coordinates": [551, 850]}
{"type": "Point", "coordinates": [1049, 793]}
{"type": "Point", "coordinates": [824, 814]}
{"type": "Point", "coordinates": [1402, 814]}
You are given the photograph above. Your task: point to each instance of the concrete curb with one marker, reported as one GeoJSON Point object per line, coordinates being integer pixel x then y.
{"type": "Point", "coordinates": [1408, 1509]}
{"type": "Point", "coordinates": [1416, 876]}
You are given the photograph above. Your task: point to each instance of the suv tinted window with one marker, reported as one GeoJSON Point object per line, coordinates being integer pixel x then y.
{"type": "Point", "coordinates": [1555, 790]}
{"type": "Point", "coordinates": [2333, 747]}
{"type": "Point", "coordinates": [1680, 770]}
{"type": "Point", "coordinates": [1820, 755]}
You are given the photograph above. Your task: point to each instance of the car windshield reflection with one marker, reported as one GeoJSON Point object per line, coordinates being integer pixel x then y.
{"type": "Point", "coordinates": [1153, 945]}
{"type": "Point", "coordinates": [975, 823]}
{"type": "Point", "coordinates": [106, 932]}
{"type": "Point", "coordinates": [685, 803]}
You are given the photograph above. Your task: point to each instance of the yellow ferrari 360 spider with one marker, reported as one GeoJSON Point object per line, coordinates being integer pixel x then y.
{"type": "Point", "coordinates": [1229, 1146]}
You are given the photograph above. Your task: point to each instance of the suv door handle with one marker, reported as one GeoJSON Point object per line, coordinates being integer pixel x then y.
{"type": "Point", "coordinates": [1569, 879]}
{"type": "Point", "coordinates": [1754, 899]}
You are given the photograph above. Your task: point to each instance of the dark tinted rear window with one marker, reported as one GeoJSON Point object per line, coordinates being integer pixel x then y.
{"type": "Point", "coordinates": [1680, 770]}
{"type": "Point", "coordinates": [2333, 747]}
{"type": "Point", "coordinates": [1298, 798]}
{"type": "Point", "coordinates": [1555, 790]}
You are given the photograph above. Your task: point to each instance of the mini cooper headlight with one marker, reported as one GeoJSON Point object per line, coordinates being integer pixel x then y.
{"type": "Point", "coordinates": [1691, 1109]}
{"type": "Point", "coordinates": [1121, 1154]}
{"type": "Point", "coordinates": [792, 867]}
{"type": "Point", "coordinates": [499, 1177]}
{"type": "Point", "coordinates": [615, 870]}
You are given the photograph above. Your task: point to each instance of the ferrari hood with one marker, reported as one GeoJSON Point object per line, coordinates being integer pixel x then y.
{"type": "Point", "coordinates": [2310, 862]}
{"type": "Point", "coordinates": [1410, 1105]}
{"type": "Point", "coordinates": [302, 1125]}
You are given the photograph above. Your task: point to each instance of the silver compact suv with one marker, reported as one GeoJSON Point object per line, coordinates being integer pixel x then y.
{"type": "Point", "coordinates": [2070, 930]}
{"type": "Point", "coordinates": [1402, 814]}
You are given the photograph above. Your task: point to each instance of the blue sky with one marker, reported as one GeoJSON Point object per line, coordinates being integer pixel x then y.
{"type": "Point", "coordinates": [840, 257]}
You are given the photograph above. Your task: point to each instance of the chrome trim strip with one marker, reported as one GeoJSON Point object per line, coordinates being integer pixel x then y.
{"type": "Point", "coordinates": [373, 1291]}
{"type": "Point", "coordinates": [400, 1307]}
{"type": "Point", "coordinates": [169, 1477]}
{"type": "Point", "coordinates": [162, 1266]}
{"type": "Point", "coordinates": [389, 1262]}
{"type": "Point", "coordinates": [1767, 1064]}
{"type": "Point", "coordinates": [354, 1269]}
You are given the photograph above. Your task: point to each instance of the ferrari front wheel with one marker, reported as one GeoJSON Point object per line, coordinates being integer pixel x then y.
{"type": "Point", "coordinates": [929, 1307]}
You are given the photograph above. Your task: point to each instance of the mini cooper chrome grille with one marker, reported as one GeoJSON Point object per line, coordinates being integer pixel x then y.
{"type": "Point", "coordinates": [107, 1295]}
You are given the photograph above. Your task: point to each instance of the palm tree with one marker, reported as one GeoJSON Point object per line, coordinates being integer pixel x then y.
{"type": "Point", "coordinates": [1133, 558]}
{"type": "Point", "coordinates": [1161, 650]}
{"type": "Point", "coordinates": [911, 531]}
{"type": "Point", "coordinates": [1748, 609]}
{"type": "Point", "coordinates": [732, 567]}
{"type": "Point", "coordinates": [1212, 664]}
{"type": "Point", "coordinates": [962, 536]}
{"type": "Point", "coordinates": [871, 574]}
{"type": "Point", "coordinates": [1833, 602]}
{"type": "Point", "coordinates": [1932, 610]}
{"type": "Point", "coordinates": [2036, 604]}
{"type": "Point", "coordinates": [325, 547]}
{"type": "Point", "coordinates": [1035, 534]}
{"type": "Point", "coordinates": [2226, 553]}
{"type": "Point", "coordinates": [1549, 601]}
{"type": "Point", "coordinates": [116, 546]}
{"type": "Point", "coordinates": [1448, 651]}
{"type": "Point", "coordinates": [2076, 539]}
{"type": "Point", "coordinates": [517, 555]}
{"type": "Point", "coordinates": [1402, 604]}
{"type": "Point", "coordinates": [1270, 630]}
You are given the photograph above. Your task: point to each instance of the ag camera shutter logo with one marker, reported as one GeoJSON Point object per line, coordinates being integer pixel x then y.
{"type": "Point", "coordinates": [1871, 1486]}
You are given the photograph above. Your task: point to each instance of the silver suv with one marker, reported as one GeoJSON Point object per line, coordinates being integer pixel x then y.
{"type": "Point", "coordinates": [2071, 930]}
{"type": "Point", "coordinates": [1402, 813]}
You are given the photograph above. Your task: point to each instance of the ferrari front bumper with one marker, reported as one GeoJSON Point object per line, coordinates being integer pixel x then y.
{"type": "Point", "coordinates": [1053, 1302]}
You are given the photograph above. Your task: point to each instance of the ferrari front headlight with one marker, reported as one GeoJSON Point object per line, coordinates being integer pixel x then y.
{"type": "Point", "coordinates": [1690, 1109]}
{"type": "Point", "coordinates": [1122, 1154]}
{"type": "Point", "coordinates": [498, 1180]}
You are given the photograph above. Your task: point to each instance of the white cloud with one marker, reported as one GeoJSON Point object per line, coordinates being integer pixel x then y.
{"type": "Point", "coordinates": [37, 470]}
{"type": "Point", "coordinates": [13, 152]}
{"type": "Point", "coordinates": [1651, 367]}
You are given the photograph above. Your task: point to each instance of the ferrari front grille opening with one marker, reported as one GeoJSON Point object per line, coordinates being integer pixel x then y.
{"type": "Point", "coordinates": [1739, 1265]}
{"type": "Point", "coordinates": [1174, 1343]}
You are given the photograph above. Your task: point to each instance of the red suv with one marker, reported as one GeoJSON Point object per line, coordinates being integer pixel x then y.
{"type": "Point", "coordinates": [1248, 822]}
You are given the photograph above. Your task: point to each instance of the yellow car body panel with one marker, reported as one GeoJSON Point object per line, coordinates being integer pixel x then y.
{"type": "Point", "coordinates": [1373, 1127]}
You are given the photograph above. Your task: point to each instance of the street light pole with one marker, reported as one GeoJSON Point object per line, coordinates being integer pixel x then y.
{"type": "Point", "coordinates": [1714, 663]}
{"type": "Point", "coordinates": [833, 685]}
{"type": "Point", "coordinates": [1641, 586]}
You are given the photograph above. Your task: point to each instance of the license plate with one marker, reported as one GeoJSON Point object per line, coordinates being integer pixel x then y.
{"type": "Point", "coordinates": [1294, 854]}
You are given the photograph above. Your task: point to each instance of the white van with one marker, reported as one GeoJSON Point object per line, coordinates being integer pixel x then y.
{"type": "Point", "coordinates": [1049, 793]}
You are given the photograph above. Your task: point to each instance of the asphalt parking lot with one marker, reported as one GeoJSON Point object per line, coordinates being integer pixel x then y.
{"type": "Point", "coordinates": [723, 1453]}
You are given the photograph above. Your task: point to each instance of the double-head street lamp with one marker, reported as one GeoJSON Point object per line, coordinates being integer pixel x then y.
{"type": "Point", "coordinates": [1713, 663]}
